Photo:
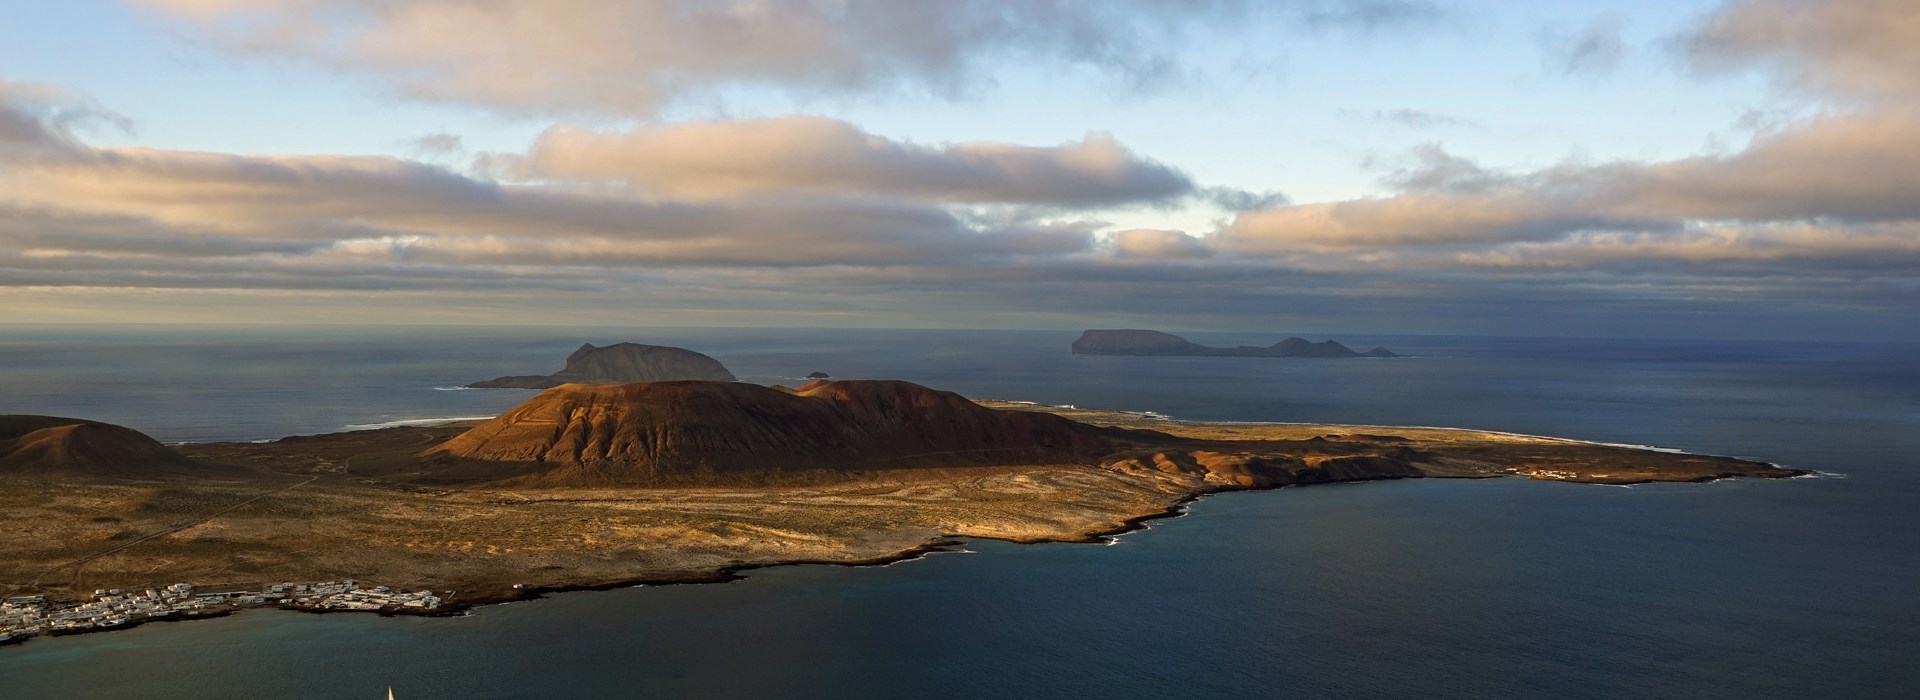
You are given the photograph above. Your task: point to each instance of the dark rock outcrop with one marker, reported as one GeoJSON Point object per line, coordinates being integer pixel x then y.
{"type": "Point", "coordinates": [1156, 343]}
{"type": "Point", "coordinates": [819, 375]}
{"type": "Point", "coordinates": [623, 363]}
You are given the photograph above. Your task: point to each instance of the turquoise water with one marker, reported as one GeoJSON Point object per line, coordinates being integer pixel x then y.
{"type": "Point", "coordinates": [1735, 589]}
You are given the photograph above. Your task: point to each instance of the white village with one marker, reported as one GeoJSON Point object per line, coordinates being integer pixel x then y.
{"type": "Point", "coordinates": [22, 617]}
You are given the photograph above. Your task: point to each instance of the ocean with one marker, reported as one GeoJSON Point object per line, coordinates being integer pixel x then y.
{"type": "Point", "coordinates": [1430, 588]}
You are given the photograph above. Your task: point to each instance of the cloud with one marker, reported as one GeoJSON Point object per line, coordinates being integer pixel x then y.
{"type": "Point", "coordinates": [64, 199]}
{"type": "Point", "coordinates": [1433, 169]}
{"type": "Point", "coordinates": [1158, 244]}
{"type": "Point", "coordinates": [1594, 51]}
{"type": "Point", "coordinates": [1234, 199]}
{"type": "Point", "coordinates": [1371, 14]}
{"type": "Point", "coordinates": [1408, 219]}
{"type": "Point", "coordinates": [377, 207]}
{"type": "Point", "coordinates": [1813, 220]}
{"type": "Point", "coordinates": [1841, 168]}
{"type": "Point", "coordinates": [437, 145]}
{"type": "Point", "coordinates": [638, 57]}
{"type": "Point", "coordinates": [1806, 246]}
{"type": "Point", "coordinates": [635, 57]}
{"type": "Point", "coordinates": [724, 159]}
{"type": "Point", "coordinates": [1414, 119]}
{"type": "Point", "coordinates": [41, 119]}
{"type": "Point", "coordinates": [1859, 49]}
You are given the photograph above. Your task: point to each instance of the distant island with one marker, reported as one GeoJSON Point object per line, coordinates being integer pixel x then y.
{"type": "Point", "coordinates": [594, 486]}
{"type": "Point", "coordinates": [621, 363]}
{"type": "Point", "coordinates": [1156, 343]}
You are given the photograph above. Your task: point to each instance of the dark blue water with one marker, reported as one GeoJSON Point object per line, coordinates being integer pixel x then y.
{"type": "Point", "coordinates": [1737, 589]}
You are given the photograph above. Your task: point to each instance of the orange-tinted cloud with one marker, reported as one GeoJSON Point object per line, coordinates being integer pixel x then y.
{"type": "Point", "coordinates": [1842, 168]}
{"type": "Point", "coordinates": [1859, 49]}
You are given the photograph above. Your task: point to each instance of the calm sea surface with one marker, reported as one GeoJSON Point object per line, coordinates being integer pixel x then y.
{"type": "Point", "coordinates": [1430, 588]}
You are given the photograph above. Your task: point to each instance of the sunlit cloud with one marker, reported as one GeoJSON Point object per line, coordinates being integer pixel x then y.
{"type": "Point", "coordinates": [621, 201]}
{"type": "Point", "coordinates": [1844, 174]}
{"type": "Point", "coordinates": [723, 159]}
{"type": "Point", "coordinates": [1859, 49]}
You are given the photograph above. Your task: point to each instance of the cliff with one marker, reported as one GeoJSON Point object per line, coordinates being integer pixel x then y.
{"type": "Point", "coordinates": [623, 363]}
{"type": "Point", "coordinates": [53, 446]}
{"type": "Point", "coordinates": [673, 432]}
{"type": "Point", "coordinates": [1156, 343]}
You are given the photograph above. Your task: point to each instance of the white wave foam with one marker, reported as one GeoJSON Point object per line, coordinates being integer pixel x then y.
{"type": "Point", "coordinates": [414, 422]}
{"type": "Point", "coordinates": [455, 388]}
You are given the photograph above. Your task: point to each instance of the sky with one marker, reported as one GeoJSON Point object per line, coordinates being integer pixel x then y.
{"type": "Point", "coordinates": [1725, 169]}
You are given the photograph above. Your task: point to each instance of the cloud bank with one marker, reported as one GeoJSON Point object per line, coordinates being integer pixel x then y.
{"type": "Point", "coordinates": [131, 216]}
{"type": "Point", "coordinates": [1813, 219]}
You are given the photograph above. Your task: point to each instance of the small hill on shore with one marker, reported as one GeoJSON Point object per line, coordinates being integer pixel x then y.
{"type": "Point", "coordinates": [668, 432]}
{"type": "Point", "coordinates": [68, 447]}
{"type": "Point", "coordinates": [621, 363]}
{"type": "Point", "coordinates": [1156, 343]}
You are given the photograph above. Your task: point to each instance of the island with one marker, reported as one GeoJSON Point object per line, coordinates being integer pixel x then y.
{"type": "Point", "coordinates": [620, 363]}
{"type": "Point", "coordinates": [1156, 343]}
{"type": "Point", "coordinates": [590, 486]}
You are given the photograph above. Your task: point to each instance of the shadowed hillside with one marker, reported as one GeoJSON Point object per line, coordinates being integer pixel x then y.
{"type": "Point", "coordinates": [53, 446]}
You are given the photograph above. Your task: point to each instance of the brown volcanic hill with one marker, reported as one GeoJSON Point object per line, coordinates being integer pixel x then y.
{"type": "Point", "coordinates": [669, 432]}
{"type": "Point", "coordinates": [621, 363]}
{"type": "Point", "coordinates": [52, 446]}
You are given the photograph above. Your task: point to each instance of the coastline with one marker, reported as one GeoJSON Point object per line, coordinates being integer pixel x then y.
{"type": "Point", "coordinates": [945, 543]}
{"type": "Point", "coordinates": [737, 572]}
{"type": "Point", "coordinates": [1176, 493]}
{"type": "Point", "coordinates": [725, 574]}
